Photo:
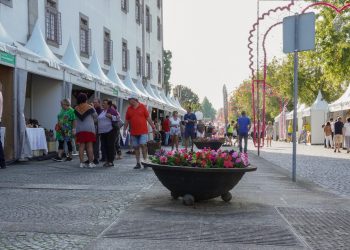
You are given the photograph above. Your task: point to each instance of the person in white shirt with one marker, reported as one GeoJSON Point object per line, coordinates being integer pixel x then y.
{"type": "Point", "coordinates": [175, 130]}
{"type": "Point", "coordinates": [332, 127]}
{"type": "Point", "coordinates": [2, 157]}
{"type": "Point", "coordinates": [346, 131]}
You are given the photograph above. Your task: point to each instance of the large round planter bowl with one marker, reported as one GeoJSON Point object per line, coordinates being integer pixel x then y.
{"type": "Point", "coordinates": [213, 144]}
{"type": "Point", "coordinates": [195, 184]}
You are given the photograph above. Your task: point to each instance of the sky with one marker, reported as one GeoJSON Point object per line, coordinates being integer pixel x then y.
{"type": "Point", "coordinates": [208, 39]}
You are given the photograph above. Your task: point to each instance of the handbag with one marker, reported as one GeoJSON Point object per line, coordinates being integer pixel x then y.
{"type": "Point", "coordinates": [117, 124]}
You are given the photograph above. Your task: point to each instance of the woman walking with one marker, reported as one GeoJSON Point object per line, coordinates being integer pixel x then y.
{"type": "Point", "coordinates": [65, 130]}
{"type": "Point", "coordinates": [85, 129]}
{"type": "Point", "coordinates": [328, 134]}
{"type": "Point", "coordinates": [175, 130]}
{"type": "Point", "coordinates": [269, 133]}
{"type": "Point", "coordinates": [108, 134]}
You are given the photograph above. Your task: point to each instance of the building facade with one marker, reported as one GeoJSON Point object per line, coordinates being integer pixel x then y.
{"type": "Point", "coordinates": [126, 32]}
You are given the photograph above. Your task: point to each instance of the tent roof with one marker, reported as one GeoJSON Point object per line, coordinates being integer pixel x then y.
{"type": "Point", "coordinates": [319, 103]}
{"type": "Point", "coordinates": [6, 40]}
{"type": "Point", "coordinates": [71, 58]}
{"type": "Point", "coordinates": [140, 86]}
{"type": "Point", "coordinates": [150, 92]}
{"type": "Point", "coordinates": [162, 95]}
{"type": "Point", "coordinates": [96, 69]}
{"type": "Point", "coordinates": [337, 105]}
{"type": "Point", "coordinates": [113, 76]}
{"type": "Point", "coordinates": [37, 44]}
{"type": "Point", "coordinates": [289, 115]}
{"type": "Point", "coordinates": [301, 107]}
{"type": "Point", "coordinates": [131, 85]}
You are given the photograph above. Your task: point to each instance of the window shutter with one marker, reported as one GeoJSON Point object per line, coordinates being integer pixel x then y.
{"type": "Point", "coordinates": [127, 60]}
{"type": "Point", "coordinates": [150, 23]}
{"type": "Point", "coordinates": [89, 42]}
{"type": "Point", "coordinates": [59, 29]}
{"type": "Point", "coordinates": [110, 50]}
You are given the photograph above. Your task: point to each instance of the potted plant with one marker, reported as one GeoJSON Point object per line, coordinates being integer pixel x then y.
{"type": "Point", "coordinates": [209, 142]}
{"type": "Point", "coordinates": [201, 175]}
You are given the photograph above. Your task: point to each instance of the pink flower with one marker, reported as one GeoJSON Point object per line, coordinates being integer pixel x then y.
{"type": "Point", "coordinates": [223, 155]}
{"type": "Point", "coordinates": [228, 164]}
{"type": "Point", "coordinates": [163, 159]}
{"type": "Point", "coordinates": [238, 160]}
{"type": "Point", "coordinates": [235, 155]}
{"type": "Point", "coordinates": [170, 153]}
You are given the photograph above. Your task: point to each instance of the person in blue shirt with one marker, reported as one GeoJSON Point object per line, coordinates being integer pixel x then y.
{"type": "Point", "coordinates": [190, 120]}
{"type": "Point", "coordinates": [243, 124]}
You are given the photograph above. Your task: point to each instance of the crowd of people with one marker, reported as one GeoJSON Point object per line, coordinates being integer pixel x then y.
{"type": "Point", "coordinates": [337, 134]}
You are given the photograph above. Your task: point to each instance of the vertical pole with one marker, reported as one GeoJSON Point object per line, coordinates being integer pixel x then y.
{"type": "Point", "coordinates": [296, 65]}
{"type": "Point", "coordinates": [257, 78]}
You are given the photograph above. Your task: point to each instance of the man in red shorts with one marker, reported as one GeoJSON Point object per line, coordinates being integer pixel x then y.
{"type": "Point", "coordinates": [137, 117]}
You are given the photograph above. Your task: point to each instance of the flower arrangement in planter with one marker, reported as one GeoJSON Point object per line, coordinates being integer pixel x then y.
{"type": "Point", "coordinates": [209, 142]}
{"type": "Point", "coordinates": [205, 158]}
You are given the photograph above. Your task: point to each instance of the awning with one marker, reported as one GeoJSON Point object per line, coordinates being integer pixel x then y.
{"type": "Point", "coordinates": [150, 92]}
{"type": "Point", "coordinates": [320, 103]}
{"type": "Point", "coordinates": [343, 103]}
{"type": "Point", "coordinates": [37, 44]}
{"type": "Point", "coordinates": [153, 101]}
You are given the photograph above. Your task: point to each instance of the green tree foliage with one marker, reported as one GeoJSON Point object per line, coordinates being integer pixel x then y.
{"type": "Point", "coordinates": [187, 97]}
{"type": "Point", "coordinates": [208, 109]}
{"type": "Point", "coordinates": [167, 55]}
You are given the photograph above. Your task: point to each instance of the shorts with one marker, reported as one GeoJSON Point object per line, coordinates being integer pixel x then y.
{"type": "Point", "coordinates": [85, 137]}
{"type": "Point", "coordinates": [229, 134]}
{"type": "Point", "coordinates": [175, 131]}
{"type": "Point", "coordinates": [138, 140]}
{"type": "Point", "coordinates": [338, 138]}
{"type": "Point", "coordinates": [190, 133]}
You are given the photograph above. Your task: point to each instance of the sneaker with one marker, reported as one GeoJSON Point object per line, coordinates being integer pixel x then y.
{"type": "Point", "coordinates": [335, 150]}
{"type": "Point", "coordinates": [138, 166]}
{"type": "Point", "coordinates": [96, 162]}
{"type": "Point", "coordinates": [68, 158]}
{"type": "Point", "coordinates": [92, 165]}
{"type": "Point", "coordinates": [82, 165]}
{"type": "Point", "coordinates": [58, 159]}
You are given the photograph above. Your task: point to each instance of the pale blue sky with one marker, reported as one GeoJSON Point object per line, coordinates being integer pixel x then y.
{"type": "Point", "coordinates": [209, 42]}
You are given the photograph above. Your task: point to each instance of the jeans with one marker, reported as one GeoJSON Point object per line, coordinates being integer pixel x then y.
{"type": "Point", "coordinates": [108, 142]}
{"type": "Point", "coordinates": [245, 137]}
{"type": "Point", "coordinates": [97, 148]}
{"type": "Point", "coordinates": [2, 157]}
{"type": "Point", "coordinates": [167, 135]}
{"type": "Point", "coordinates": [329, 141]}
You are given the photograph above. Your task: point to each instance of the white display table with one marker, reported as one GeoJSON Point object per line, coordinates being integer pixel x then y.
{"type": "Point", "coordinates": [37, 139]}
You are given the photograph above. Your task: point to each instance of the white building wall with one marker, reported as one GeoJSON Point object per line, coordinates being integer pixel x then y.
{"type": "Point", "coordinates": [101, 13]}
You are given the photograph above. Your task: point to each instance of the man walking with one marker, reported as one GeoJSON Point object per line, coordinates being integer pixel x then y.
{"type": "Point", "coordinates": [243, 124]}
{"type": "Point", "coordinates": [338, 134]}
{"type": "Point", "coordinates": [166, 129]}
{"type": "Point", "coordinates": [137, 117]}
{"type": "Point", "coordinates": [2, 157]}
{"type": "Point", "coordinates": [190, 122]}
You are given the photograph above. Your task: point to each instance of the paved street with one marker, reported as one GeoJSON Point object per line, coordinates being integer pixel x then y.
{"type": "Point", "coordinates": [322, 166]}
{"type": "Point", "coordinates": [48, 205]}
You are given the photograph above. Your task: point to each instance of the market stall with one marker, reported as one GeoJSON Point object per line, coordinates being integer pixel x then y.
{"type": "Point", "coordinates": [340, 107]}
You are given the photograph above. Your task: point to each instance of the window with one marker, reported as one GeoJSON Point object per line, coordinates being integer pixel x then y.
{"type": "Point", "coordinates": [53, 23]}
{"type": "Point", "coordinates": [148, 67]}
{"type": "Point", "coordinates": [159, 72]}
{"type": "Point", "coordinates": [107, 47]}
{"type": "Point", "coordinates": [148, 20]}
{"type": "Point", "coordinates": [85, 36]}
{"type": "Point", "coordinates": [159, 3]}
{"type": "Point", "coordinates": [159, 29]}
{"type": "Point", "coordinates": [138, 62]}
{"type": "Point", "coordinates": [125, 56]}
{"type": "Point", "coordinates": [125, 5]}
{"type": "Point", "coordinates": [138, 11]}
{"type": "Point", "coordinates": [7, 2]}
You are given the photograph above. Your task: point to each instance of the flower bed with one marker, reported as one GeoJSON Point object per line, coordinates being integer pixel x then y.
{"type": "Point", "coordinates": [205, 158]}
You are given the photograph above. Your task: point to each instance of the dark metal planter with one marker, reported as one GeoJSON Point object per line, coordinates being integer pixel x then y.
{"type": "Point", "coordinates": [215, 145]}
{"type": "Point", "coordinates": [195, 184]}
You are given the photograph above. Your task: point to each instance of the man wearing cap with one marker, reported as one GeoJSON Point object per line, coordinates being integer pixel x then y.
{"type": "Point", "coordinates": [137, 117]}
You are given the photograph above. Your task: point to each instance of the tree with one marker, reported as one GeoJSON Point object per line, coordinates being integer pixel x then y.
{"type": "Point", "coordinates": [187, 97]}
{"type": "Point", "coordinates": [208, 109]}
{"type": "Point", "coordinates": [167, 55]}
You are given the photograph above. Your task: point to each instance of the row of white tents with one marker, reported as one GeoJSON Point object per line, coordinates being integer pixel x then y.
{"type": "Point", "coordinates": [51, 79]}
{"type": "Point", "coordinates": [314, 117]}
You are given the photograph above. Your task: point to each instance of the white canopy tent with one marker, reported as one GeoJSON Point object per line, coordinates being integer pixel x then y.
{"type": "Point", "coordinates": [150, 91]}
{"type": "Point", "coordinates": [172, 107]}
{"type": "Point", "coordinates": [282, 125]}
{"type": "Point", "coordinates": [317, 114]}
{"type": "Point", "coordinates": [151, 100]}
{"type": "Point", "coordinates": [112, 75]}
{"type": "Point", "coordinates": [131, 85]}
{"type": "Point", "coordinates": [343, 103]}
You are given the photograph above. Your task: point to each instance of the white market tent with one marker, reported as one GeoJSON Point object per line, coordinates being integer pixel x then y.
{"type": "Point", "coordinates": [282, 125]}
{"type": "Point", "coordinates": [343, 103]}
{"type": "Point", "coordinates": [113, 76]}
{"type": "Point", "coordinates": [152, 101]}
{"type": "Point", "coordinates": [149, 90]}
{"type": "Point", "coordinates": [172, 107]}
{"type": "Point", "coordinates": [131, 85]}
{"type": "Point", "coordinates": [318, 116]}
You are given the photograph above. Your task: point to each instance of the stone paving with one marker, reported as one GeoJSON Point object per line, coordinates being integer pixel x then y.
{"type": "Point", "coordinates": [316, 163]}
{"type": "Point", "coordinates": [49, 205]}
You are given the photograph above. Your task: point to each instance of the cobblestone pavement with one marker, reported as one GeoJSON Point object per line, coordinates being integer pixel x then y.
{"type": "Point", "coordinates": [316, 163]}
{"type": "Point", "coordinates": [49, 205]}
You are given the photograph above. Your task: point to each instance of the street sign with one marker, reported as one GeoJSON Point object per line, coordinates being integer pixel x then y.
{"type": "Point", "coordinates": [301, 38]}
{"type": "Point", "coordinates": [7, 58]}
